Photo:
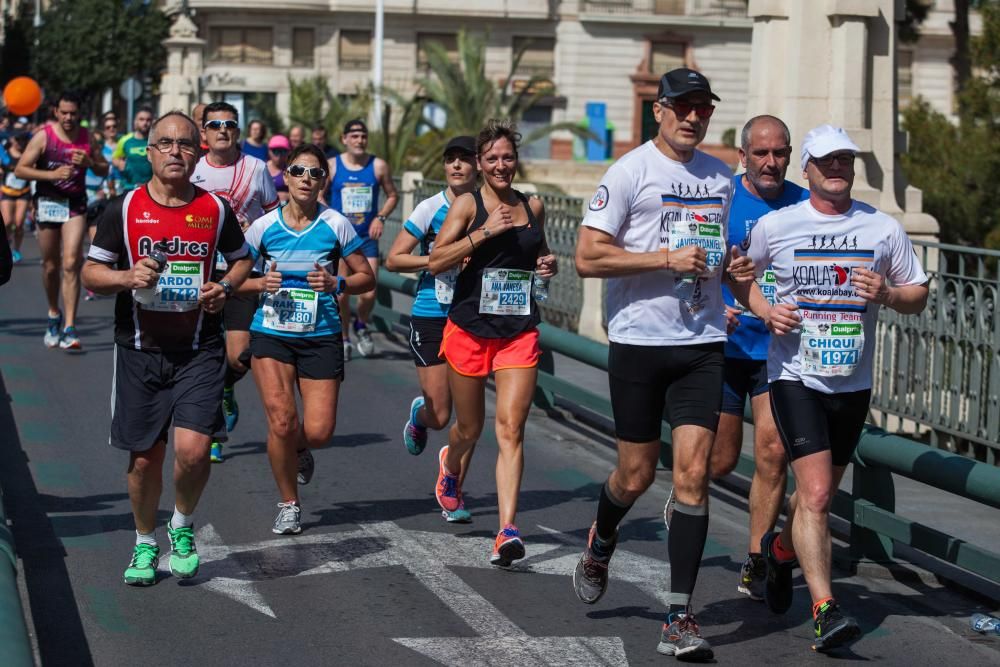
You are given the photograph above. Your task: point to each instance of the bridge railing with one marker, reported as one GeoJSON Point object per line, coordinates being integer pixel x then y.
{"type": "Point", "coordinates": [15, 645]}
{"type": "Point", "coordinates": [870, 508]}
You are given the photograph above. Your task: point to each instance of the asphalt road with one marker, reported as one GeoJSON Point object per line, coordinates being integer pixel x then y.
{"type": "Point", "coordinates": [376, 577]}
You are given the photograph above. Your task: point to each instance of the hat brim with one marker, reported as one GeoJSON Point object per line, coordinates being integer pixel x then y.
{"type": "Point", "coordinates": [673, 96]}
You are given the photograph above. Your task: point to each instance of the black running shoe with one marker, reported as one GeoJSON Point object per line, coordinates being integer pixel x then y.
{"type": "Point", "coordinates": [590, 578]}
{"type": "Point", "coordinates": [778, 577]}
{"type": "Point", "coordinates": [833, 629]}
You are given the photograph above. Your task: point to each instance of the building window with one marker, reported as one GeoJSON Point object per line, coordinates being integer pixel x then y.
{"type": "Point", "coordinates": [904, 77]}
{"type": "Point", "coordinates": [449, 42]}
{"type": "Point", "coordinates": [355, 49]}
{"type": "Point", "coordinates": [303, 47]}
{"type": "Point", "coordinates": [665, 56]}
{"type": "Point", "coordinates": [538, 57]}
{"type": "Point", "coordinates": [251, 46]}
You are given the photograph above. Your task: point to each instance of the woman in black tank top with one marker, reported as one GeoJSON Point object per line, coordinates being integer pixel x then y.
{"type": "Point", "coordinates": [496, 237]}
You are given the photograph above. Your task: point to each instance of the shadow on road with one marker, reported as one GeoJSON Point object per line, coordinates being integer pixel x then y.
{"type": "Point", "coordinates": [59, 630]}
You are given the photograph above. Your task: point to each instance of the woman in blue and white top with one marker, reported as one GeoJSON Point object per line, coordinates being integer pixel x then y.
{"type": "Point", "coordinates": [432, 410]}
{"type": "Point", "coordinates": [295, 337]}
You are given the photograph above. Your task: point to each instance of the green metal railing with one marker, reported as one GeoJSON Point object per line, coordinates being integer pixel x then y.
{"type": "Point", "coordinates": [870, 508]}
{"type": "Point", "coordinates": [15, 646]}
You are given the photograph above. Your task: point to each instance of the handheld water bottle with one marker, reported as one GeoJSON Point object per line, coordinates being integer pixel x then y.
{"type": "Point", "coordinates": [158, 254]}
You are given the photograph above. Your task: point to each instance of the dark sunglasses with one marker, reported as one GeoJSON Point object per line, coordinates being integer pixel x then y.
{"type": "Point", "coordinates": [219, 124]}
{"type": "Point", "coordinates": [297, 170]}
{"type": "Point", "coordinates": [683, 109]}
{"type": "Point", "coordinates": [843, 159]}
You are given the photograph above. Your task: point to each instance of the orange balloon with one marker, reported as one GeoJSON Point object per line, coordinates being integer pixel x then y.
{"type": "Point", "coordinates": [22, 96]}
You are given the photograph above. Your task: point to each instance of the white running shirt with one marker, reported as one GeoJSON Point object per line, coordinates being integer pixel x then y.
{"type": "Point", "coordinates": [245, 184]}
{"type": "Point", "coordinates": [813, 257]}
{"type": "Point", "coordinates": [649, 202]}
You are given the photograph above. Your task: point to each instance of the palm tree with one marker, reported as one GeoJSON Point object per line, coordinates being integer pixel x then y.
{"type": "Point", "coordinates": [469, 97]}
{"type": "Point", "coordinates": [312, 102]}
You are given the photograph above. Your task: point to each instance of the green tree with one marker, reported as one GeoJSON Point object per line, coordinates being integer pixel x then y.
{"type": "Point", "coordinates": [312, 102]}
{"type": "Point", "coordinates": [90, 45]}
{"type": "Point", "coordinates": [469, 97]}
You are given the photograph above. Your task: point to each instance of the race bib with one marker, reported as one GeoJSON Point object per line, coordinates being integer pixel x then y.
{"type": "Point", "coordinates": [356, 199]}
{"type": "Point", "coordinates": [13, 182]}
{"type": "Point", "coordinates": [444, 286]}
{"type": "Point", "coordinates": [505, 292]}
{"type": "Point", "coordinates": [831, 342]}
{"type": "Point", "coordinates": [53, 210]}
{"type": "Point", "coordinates": [291, 310]}
{"type": "Point", "coordinates": [178, 288]}
{"type": "Point", "coordinates": [705, 234]}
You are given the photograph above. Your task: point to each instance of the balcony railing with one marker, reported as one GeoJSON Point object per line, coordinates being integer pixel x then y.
{"type": "Point", "coordinates": [700, 8]}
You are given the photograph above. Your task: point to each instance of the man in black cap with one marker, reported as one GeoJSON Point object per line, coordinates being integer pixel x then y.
{"type": "Point", "coordinates": [656, 230]}
{"type": "Point", "coordinates": [356, 177]}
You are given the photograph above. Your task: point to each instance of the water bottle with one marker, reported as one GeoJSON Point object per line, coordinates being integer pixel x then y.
{"type": "Point", "coordinates": [540, 288]}
{"type": "Point", "coordinates": [158, 254]}
{"type": "Point", "coordinates": [986, 624]}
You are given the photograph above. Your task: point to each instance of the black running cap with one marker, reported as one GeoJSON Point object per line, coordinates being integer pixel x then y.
{"type": "Point", "coordinates": [681, 81]}
{"type": "Point", "coordinates": [354, 126]}
{"type": "Point", "coordinates": [463, 143]}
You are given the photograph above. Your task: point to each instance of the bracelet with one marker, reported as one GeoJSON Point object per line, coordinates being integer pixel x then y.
{"type": "Point", "coordinates": [471, 243]}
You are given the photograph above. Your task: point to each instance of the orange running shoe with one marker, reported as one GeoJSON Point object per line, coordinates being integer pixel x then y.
{"type": "Point", "coordinates": [508, 547]}
{"type": "Point", "coordinates": [447, 490]}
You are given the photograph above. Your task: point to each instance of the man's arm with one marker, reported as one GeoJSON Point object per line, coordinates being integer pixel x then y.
{"type": "Point", "coordinates": [598, 256]}
{"type": "Point", "coordinates": [26, 169]}
{"type": "Point", "coordinates": [384, 175]}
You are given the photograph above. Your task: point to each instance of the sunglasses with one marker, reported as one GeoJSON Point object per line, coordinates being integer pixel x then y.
{"type": "Point", "coordinates": [219, 124]}
{"type": "Point", "coordinates": [297, 170]}
{"type": "Point", "coordinates": [113, 126]}
{"type": "Point", "coordinates": [842, 159]}
{"type": "Point", "coordinates": [683, 109]}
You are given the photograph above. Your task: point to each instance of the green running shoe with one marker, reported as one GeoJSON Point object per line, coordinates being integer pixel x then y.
{"type": "Point", "coordinates": [141, 570]}
{"type": "Point", "coordinates": [183, 555]}
{"type": "Point", "coordinates": [215, 453]}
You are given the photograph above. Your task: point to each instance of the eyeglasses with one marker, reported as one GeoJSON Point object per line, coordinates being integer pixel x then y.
{"type": "Point", "coordinates": [683, 109]}
{"type": "Point", "coordinates": [219, 124]}
{"type": "Point", "coordinates": [842, 159]}
{"type": "Point", "coordinates": [183, 145]}
{"type": "Point", "coordinates": [111, 126]}
{"type": "Point", "coordinates": [297, 170]}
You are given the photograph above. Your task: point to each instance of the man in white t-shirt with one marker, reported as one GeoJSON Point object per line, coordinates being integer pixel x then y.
{"type": "Point", "coordinates": [835, 262]}
{"type": "Point", "coordinates": [244, 182]}
{"type": "Point", "coordinates": [656, 229]}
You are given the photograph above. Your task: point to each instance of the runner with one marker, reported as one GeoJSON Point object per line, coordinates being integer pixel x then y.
{"type": "Point", "coordinates": [656, 230]}
{"type": "Point", "coordinates": [492, 324]}
{"type": "Point", "coordinates": [256, 144]}
{"type": "Point", "coordinates": [819, 364]}
{"type": "Point", "coordinates": [57, 158]}
{"type": "Point", "coordinates": [432, 409]}
{"type": "Point", "coordinates": [169, 354]}
{"type": "Point", "coordinates": [15, 195]}
{"type": "Point", "coordinates": [277, 150]}
{"type": "Point", "coordinates": [245, 183]}
{"type": "Point", "coordinates": [296, 135]}
{"type": "Point", "coordinates": [355, 179]}
{"type": "Point", "coordinates": [130, 155]}
{"type": "Point", "coordinates": [295, 335]}
{"type": "Point", "coordinates": [764, 152]}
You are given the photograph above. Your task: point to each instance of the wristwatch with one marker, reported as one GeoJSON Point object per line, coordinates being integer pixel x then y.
{"type": "Point", "coordinates": [380, 218]}
{"type": "Point", "coordinates": [341, 285]}
{"type": "Point", "coordinates": [486, 231]}
{"type": "Point", "coordinates": [227, 287]}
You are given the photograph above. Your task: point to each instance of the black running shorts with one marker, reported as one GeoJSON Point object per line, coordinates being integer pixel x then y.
{"type": "Point", "coordinates": [810, 421]}
{"type": "Point", "coordinates": [742, 378]}
{"type": "Point", "coordinates": [425, 340]}
{"type": "Point", "coordinates": [239, 311]}
{"type": "Point", "coordinates": [151, 389]}
{"type": "Point", "coordinates": [686, 379]}
{"type": "Point", "coordinates": [314, 358]}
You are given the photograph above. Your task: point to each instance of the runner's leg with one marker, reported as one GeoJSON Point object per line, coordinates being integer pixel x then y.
{"type": "Point", "coordinates": [767, 489]}
{"type": "Point", "coordinates": [49, 242]}
{"type": "Point", "coordinates": [436, 411]}
{"type": "Point", "coordinates": [689, 526]}
{"type": "Point", "coordinates": [728, 445]}
{"type": "Point", "coordinates": [191, 467]}
{"type": "Point", "coordinates": [276, 383]}
{"type": "Point", "coordinates": [20, 212]}
{"type": "Point", "coordinates": [469, 396]}
{"type": "Point", "coordinates": [816, 479]}
{"type": "Point", "coordinates": [515, 389]}
{"type": "Point", "coordinates": [145, 484]}
{"type": "Point", "coordinates": [319, 410]}
{"type": "Point", "coordinates": [73, 232]}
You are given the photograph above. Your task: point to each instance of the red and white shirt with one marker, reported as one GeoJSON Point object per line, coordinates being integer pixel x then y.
{"type": "Point", "coordinates": [194, 233]}
{"type": "Point", "coordinates": [245, 184]}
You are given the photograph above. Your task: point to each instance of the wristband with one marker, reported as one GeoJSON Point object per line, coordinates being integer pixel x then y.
{"type": "Point", "coordinates": [341, 285]}
{"type": "Point", "coordinates": [227, 287]}
{"type": "Point", "coordinates": [471, 243]}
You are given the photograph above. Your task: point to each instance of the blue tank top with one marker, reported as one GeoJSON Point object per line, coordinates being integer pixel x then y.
{"type": "Point", "coordinates": [355, 195]}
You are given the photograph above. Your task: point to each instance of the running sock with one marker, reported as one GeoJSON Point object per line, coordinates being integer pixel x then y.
{"type": "Point", "coordinates": [780, 552]}
{"type": "Point", "coordinates": [359, 325]}
{"type": "Point", "coordinates": [415, 417]}
{"type": "Point", "coordinates": [146, 538]}
{"type": "Point", "coordinates": [685, 545]}
{"type": "Point", "coordinates": [819, 604]}
{"type": "Point", "coordinates": [610, 512]}
{"type": "Point", "coordinates": [180, 520]}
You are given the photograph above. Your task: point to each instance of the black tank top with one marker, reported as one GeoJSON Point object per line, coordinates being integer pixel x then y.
{"type": "Point", "coordinates": [517, 248]}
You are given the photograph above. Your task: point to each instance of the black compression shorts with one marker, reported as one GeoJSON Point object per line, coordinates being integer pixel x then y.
{"type": "Point", "coordinates": [314, 358]}
{"type": "Point", "coordinates": [687, 379]}
{"type": "Point", "coordinates": [425, 340]}
{"type": "Point", "coordinates": [810, 421]}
